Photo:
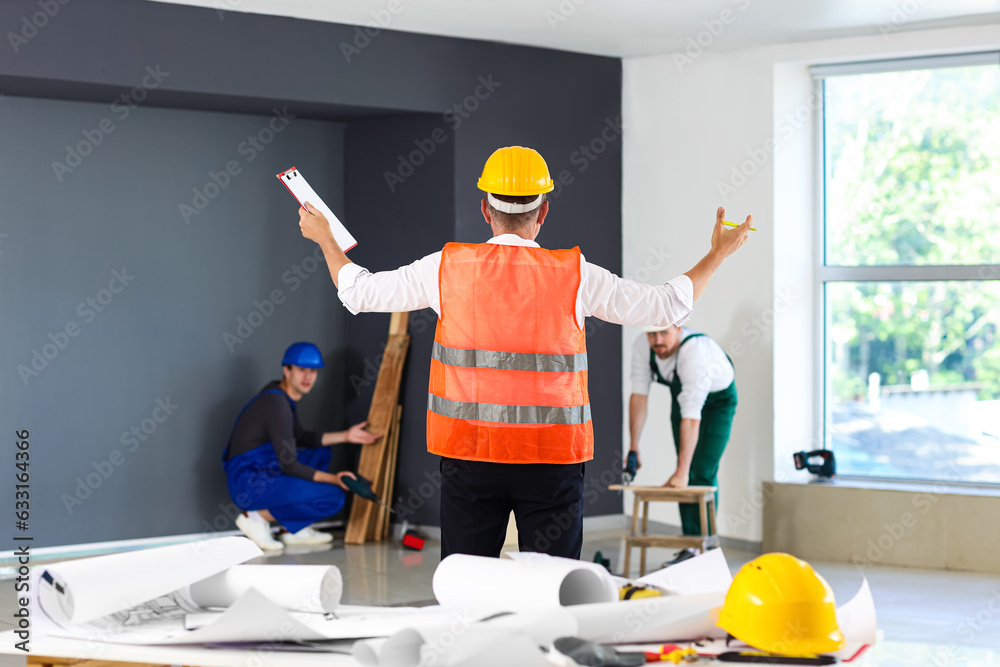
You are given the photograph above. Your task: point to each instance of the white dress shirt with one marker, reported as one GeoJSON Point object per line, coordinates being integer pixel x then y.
{"type": "Point", "coordinates": [702, 364]}
{"type": "Point", "coordinates": [601, 294]}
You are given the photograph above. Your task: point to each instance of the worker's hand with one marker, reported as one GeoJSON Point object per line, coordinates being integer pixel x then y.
{"type": "Point", "coordinates": [727, 240]}
{"type": "Point", "coordinates": [678, 480]}
{"type": "Point", "coordinates": [314, 225]}
{"type": "Point", "coordinates": [340, 475]}
{"type": "Point", "coordinates": [358, 435]}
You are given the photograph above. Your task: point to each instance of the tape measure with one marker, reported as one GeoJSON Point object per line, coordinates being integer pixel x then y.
{"type": "Point", "coordinates": [634, 592]}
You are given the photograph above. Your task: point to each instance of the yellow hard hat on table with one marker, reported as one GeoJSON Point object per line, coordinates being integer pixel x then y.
{"type": "Point", "coordinates": [778, 603]}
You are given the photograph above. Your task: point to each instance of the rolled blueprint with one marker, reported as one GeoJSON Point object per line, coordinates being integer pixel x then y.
{"type": "Point", "coordinates": [506, 585]}
{"type": "Point", "coordinates": [650, 620]}
{"type": "Point", "coordinates": [315, 588]}
{"type": "Point", "coordinates": [79, 591]}
{"type": "Point", "coordinates": [609, 580]}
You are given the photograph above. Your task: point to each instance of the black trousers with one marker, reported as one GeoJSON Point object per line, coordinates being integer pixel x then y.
{"type": "Point", "coordinates": [477, 499]}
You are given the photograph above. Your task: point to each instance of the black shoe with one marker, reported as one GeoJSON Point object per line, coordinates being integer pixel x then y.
{"type": "Point", "coordinates": [680, 557]}
{"type": "Point", "coordinates": [601, 560]}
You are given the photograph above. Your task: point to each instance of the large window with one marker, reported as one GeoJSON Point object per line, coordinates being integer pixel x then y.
{"type": "Point", "coordinates": [910, 269]}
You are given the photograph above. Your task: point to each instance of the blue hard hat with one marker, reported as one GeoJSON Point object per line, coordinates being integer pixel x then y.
{"type": "Point", "coordinates": [305, 355]}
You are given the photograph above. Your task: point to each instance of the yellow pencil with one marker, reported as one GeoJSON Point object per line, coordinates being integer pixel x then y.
{"type": "Point", "coordinates": [733, 224]}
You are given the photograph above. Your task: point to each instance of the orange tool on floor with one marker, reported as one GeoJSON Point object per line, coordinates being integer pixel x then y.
{"type": "Point", "coordinates": [670, 653]}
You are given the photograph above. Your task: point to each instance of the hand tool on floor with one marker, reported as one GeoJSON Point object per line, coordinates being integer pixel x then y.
{"type": "Point", "coordinates": [413, 541]}
{"type": "Point", "coordinates": [631, 467]}
{"type": "Point", "coordinates": [363, 488]}
{"type": "Point", "coordinates": [675, 654]}
{"type": "Point", "coordinates": [410, 538]}
{"type": "Point", "coordinates": [755, 657]}
{"type": "Point", "coordinates": [583, 652]}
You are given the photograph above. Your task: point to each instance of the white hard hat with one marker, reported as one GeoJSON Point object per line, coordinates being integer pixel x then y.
{"type": "Point", "coordinates": [655, 329]}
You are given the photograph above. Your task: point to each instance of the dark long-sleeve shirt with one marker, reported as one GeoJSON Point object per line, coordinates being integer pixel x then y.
{"type": "Point", "coordinates": [270, 418]}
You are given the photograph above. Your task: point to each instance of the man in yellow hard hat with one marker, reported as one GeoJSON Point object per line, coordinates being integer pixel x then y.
{"type": "Point", "coordinates": [508, 407]}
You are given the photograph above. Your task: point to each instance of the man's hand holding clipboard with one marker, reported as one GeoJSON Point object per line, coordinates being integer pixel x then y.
{"type": "Point", "coordinates": [315, 226]}
{"type": "Point", "coordinates": [313, 205]}
{"type": "Point", "coordinates": [318, 223]}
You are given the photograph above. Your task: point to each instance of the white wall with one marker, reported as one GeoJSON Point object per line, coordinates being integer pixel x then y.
{"type": "Point", "coordinates": [689, 129]}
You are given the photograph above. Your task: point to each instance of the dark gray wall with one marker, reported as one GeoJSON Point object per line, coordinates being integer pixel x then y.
{"type": "Point", "coordinates": [556, 102]}
{"type": "Point", "coordinates": [162, 337]}
{"type": "Point", "coordinates": [418, 216]}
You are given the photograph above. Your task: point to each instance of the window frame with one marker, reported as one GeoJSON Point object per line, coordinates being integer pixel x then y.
{"type": "Point", "coordinates": [825, 274]}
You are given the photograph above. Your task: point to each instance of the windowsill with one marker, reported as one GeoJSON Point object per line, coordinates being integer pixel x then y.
{"type": "Point", "coordinates": [908, 486]}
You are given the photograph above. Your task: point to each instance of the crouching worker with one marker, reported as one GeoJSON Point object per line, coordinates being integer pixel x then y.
{"type": "Point", "coordinates": [277, 471]}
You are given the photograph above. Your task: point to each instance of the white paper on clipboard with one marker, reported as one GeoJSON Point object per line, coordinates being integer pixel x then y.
{"type": "Point", "coordinates": [303, 192]}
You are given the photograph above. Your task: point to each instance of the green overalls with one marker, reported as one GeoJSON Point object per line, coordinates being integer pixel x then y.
{"type": "Point", "coordinates": [713, 435]}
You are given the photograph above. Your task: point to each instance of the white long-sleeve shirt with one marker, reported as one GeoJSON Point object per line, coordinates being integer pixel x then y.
{"type": "Point", "coordinates": [601, 294]}
{"type": "Point", "coordinates": [701, 363]}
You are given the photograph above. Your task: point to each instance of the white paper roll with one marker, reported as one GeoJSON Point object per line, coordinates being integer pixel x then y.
{"type": "Point", "coordinates": [477, 646]}
{"type": "Point", "coordinates": [315, 588]}
{"type": "Point", "coordinates": [79, 591]}
{"type": "Point", "coordinates": [599, 570]}
{"type": "Point", "coordinates": [476, 582]}
{"type": "Point", "coordinates": [650, 620]}
{"type": "Point", "coordinates": [483, 646]}
{"type": "Point", "coordinates": [367, 651]}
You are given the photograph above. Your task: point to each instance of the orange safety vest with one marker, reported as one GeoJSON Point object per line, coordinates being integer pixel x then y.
{"type": "Point", "coordinates": [508, 381]}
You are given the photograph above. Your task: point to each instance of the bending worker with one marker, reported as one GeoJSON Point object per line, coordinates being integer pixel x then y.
{"type": "Point", "coordinates": [508, 408]}
{"type": "Point", "coordinates": [277, 471]}
{"type": "Point", "coordinates": [702, 404]}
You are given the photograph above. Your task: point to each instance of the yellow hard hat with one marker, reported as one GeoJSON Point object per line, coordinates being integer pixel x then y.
{"type": "Point", "coordinates": [517, 171]}
{"type": "Point", "coordinates": [779, 604]}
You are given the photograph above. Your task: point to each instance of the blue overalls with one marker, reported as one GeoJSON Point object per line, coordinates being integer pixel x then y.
{"type": "Point", "coordinates": [257, 483]}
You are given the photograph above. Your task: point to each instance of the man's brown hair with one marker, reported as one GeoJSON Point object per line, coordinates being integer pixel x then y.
{"type": "Point", "coordinates": [511, 222]}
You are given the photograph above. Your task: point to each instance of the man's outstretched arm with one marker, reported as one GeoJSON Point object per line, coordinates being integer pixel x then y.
{"type": "Point", "coordinates": [724, 243]}
{"type": "Point", "coordinates": [355, 434]}
{"type": "Point", "coordinates": [621, 301]}
{"type": "Point", "coordinates": [407, 288]}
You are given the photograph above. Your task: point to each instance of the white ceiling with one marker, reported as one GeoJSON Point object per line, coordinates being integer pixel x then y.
{"type": "Point", "coordinates": [632, 27]}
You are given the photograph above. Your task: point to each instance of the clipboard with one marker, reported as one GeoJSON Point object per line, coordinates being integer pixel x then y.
{"type": "Point", "coordinates": [303, 192]}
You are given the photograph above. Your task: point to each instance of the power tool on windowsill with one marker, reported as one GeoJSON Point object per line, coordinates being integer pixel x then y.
{"type": "Point", "coordinates": [819, 462]}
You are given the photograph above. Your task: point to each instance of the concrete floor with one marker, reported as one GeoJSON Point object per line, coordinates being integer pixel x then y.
{"type": "Point", "coordinates": [955, 611]}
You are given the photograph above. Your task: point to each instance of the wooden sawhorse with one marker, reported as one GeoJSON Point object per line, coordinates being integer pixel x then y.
{"type": "Point", "coordinates": [704, 496]}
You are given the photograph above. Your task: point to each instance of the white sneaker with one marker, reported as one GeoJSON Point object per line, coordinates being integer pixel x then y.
{"type": "Point", "coordinates": [307, 536]}
{"type": "Point", "coordinates": [258, 530]}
